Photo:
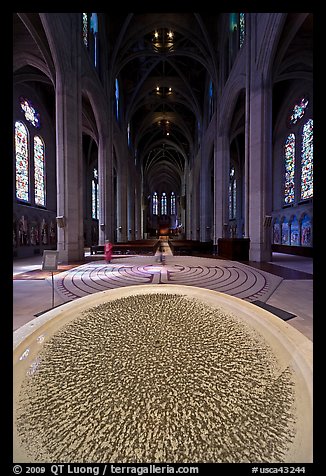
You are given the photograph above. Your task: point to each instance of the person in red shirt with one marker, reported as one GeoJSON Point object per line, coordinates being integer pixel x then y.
{"type": "Point", "coordinates": [108, 251]}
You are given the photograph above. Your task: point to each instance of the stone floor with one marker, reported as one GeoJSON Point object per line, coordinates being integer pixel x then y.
{"type": "Point", "coordinates": [286, 282]}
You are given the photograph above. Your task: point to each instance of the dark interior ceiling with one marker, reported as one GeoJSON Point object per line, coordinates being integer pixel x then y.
{"type": "Point", "coordinates": [163, 62]}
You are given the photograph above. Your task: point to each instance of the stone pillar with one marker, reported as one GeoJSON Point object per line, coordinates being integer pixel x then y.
{"type": "Point", "coordinates": [188, 206]}
{"type": "Point", "coordinates": [205, 206]}
{"type": "Point", "coordinates": [182, 207]}
{"type": "Point", "coordinates": [138, 210]}
{"type": "Point", "coordinates": [221, 190]}
{"type": "Point", "coordinates": [260, 168]}
{"type": "Point", "coordinates": [122, 223]}
{"type": "Point", "coordinates": [131, 206]}
{"type": "Point", "coordinates": [195, 223]}
{"type": "Point", "coordinates": [106, 196]}
{"type": "Point", "coordinates": [69, 163]}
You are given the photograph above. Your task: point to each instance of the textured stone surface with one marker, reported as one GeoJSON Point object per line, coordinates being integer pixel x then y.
{"type": "Point", "coordinates": [156, 378]}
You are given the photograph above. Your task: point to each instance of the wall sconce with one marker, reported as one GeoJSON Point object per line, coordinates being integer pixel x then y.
{"type": "Point", "coordinates": [120, 228]}
{"type": "Point", "coordinates": [102, 226]}
{"type": "Point", "coordinates": [60, 221]}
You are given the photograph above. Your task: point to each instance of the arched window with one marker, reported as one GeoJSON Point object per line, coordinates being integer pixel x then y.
{"type": "Point", "coordinates": [276, 232]}
{"type": "Point", "coordinates": [210, 100]}
{"type": "Point", "coordinates": [30, 113]}
{"type": "Point", "coordinates": [242, 28]}
{"type": "Point", "coordinates": [128, 134]}
{"type": "Point", "coordinates": [22, 161]}
{"type": "Point", "coordinates": [164, 207]}
{"type": "Point", "coordinates": [39, 171]}
{"type": "Point", "coordinates": [172, 204]}
{"type": "Point", "coordinates": [85, 29]}
{"type": "Point", "coordinates": [232, 194]}
{"type": "Point", "coordinates": [29, 157]}
{"type": "Point", "coordinates": [295, 232]}
{"type": "Point", "coordinates": [298, 182]}
{"type": "Point", "coordinates": [117, 97]}
{"type": "Point", "coordinates": [307, 161]}
{"type": "Point", "coordinates": [94, 33]}
{"type": "Point", "coordinates": [155, 204]}
{"type": "Point", "coordinates": [289, 156]}
{"type": "Point", "coordinates": [237, 32]}
{"type": "Point", "coordinates": [285, 232]}
{"type": "Point", "coordinates": [95, 195]}
{"type": "Point", "coordinates": [306, 231]}
{"type": "Point", "coordinates": [298, 110]}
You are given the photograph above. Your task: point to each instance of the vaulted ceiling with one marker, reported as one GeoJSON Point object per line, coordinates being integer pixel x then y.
{"type": "Point", "coordinates": [164, 63]}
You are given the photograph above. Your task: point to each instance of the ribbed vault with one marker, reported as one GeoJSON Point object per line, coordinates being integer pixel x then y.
{"type": "Point", "coordinates": [163, 63]}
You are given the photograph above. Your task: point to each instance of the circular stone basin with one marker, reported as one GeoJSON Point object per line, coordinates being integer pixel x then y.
{"type": "Point", "coordinates": [161, 373]}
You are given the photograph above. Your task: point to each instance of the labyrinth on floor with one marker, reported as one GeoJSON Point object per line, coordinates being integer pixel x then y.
{"type": "Point", "coordinates": [230, 277]}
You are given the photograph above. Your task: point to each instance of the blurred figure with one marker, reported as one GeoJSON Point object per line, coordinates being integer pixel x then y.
{"type": "Point", "coordinates": [108, 251]}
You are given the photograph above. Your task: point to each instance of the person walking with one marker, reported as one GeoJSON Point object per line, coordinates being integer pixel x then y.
{"type": "Point", "coordinates": [108, 251]}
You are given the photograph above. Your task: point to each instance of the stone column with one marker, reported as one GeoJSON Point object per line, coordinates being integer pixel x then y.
{"type": "Point", "coordinates": [188, 205]}
{"type": "Point", "coordinates": [131, 205]}
{"type": "Point", "coordinates": [205, 205]}
{"type": "Point", "coordinates": [138, 209]}
{"type": "Point", "coordinates": [106, 196]}
{"type": "Point", "coordinates": [260, 168]}
{"type": "Point", "coordinates": [69, 163]}
{"type": "Point", "coordinates": [122, 184]}
{"type": "Point", "coordinates": [221, 190]}
{"type": "Point", "coordinates": [182, 207]}
{"type": "Point", "coordinates": [195, 223]}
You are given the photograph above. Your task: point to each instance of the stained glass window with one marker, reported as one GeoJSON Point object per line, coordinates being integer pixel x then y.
{"type": "Point", "coordinates": [307, 161]}
{"type": "Point", "coordinates": [22, 161]}
{"type": "Point", "coordinates": [164, 210]}
{"type": "Point", "coordinates": [230, 200]}
{"type": "Point", "coordinates": [172, 204]}
{"type": "Point", "coordinates": [94, 31]}
{"type": "Point", "coordinates": [117, 95]}
{"type": "Point", "coordinates": [289, 154]}
{"type": "Point", "coordinates": [155, 204]}
{"type": "Point", "coordinates": [39, 171]}
{"type": "Point", "coordinates": [128, 133]}
{"type": "Point", "coordinates": [306, 235]}
{"type": "Point", "coordinates": [234, 198]}
{"type": "Point", "coordinates": [95, 195]}
{"type": "Point", "coordinates": [295, 233]}
{"type": "Point", "coordinates": [233, 22]}
{"type": "Point", "coordinates": [94, 23]}
{"type": "Point", "coordinates": [285, 233]}
{"type": "Point", "coordinates": [232, 194]}
{"type": "Point", "coordinates": [242, 30]}
{"type": "Point", "coordinates": [276, 232]}
{"type": "Point", "coordinates": [298, 110]}
{"type": "Point", "coordinates": [93, 199]}
{"type": "Point", "coordinates": [210, 99]}
{"type": "Point", "coordinates": [31, 115]}
{"type": "Point", "coordinates": [85, 29]}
